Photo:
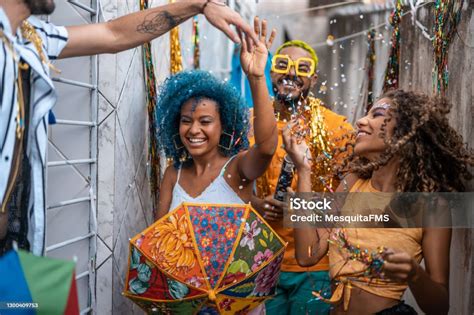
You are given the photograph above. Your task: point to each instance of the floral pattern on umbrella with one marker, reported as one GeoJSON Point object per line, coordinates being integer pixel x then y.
{"type": "Point", "coordinates": [146, 280]}
{"type": "Point", "coordinates": [215, 229]}
{"type": "Point", "coordinates": [204, 259]}
{"type": "Point", "coordinates": [170, 245]}
{"type": "Point", "coordinates": [261, 283]}
{"type": "Point", "coordinates": [257, 245]}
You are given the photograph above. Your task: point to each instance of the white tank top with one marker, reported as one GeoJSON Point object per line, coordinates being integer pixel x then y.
{"type": "Point", "coordinates": [218, 192]}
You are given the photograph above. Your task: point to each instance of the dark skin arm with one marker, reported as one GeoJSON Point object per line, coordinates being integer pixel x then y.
{"type": "Point", "coordinates": [166, 191]}
{"type": "Point", "coordinates": [140, 27]}
{"type": "Point", "coordinates": [310, 244]}
{"type": "Point", "coordinates": [429, 286]}
{"type": "Point", "coordinates": [253, 163]}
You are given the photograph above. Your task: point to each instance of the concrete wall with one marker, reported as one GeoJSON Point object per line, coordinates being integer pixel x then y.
{"type": "Point", "coordinates": [418, 52]}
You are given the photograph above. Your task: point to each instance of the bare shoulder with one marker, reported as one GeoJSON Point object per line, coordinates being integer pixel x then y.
{"type": "Point", "coordinates": [166, 191]}
{"type": "Point", "coordinates": [232, 169]}
{"type": "Point", "coordinates": [171, 175]}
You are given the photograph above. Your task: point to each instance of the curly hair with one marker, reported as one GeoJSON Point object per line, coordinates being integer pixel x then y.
{"type": "Point", "coordinates": [195, 84]}
{"type": "Point", "coordinates": [433, 157]}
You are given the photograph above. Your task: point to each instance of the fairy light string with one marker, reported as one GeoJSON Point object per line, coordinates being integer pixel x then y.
{"type": "Point", "coordinates": [153, 152]}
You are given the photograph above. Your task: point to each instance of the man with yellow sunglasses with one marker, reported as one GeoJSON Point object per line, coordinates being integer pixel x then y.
{"type": "Point", "coordinates": [293, 75]}
{"type": "Point", "coordinates": [303, 67]}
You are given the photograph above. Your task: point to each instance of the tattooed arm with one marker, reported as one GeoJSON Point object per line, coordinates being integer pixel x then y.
{"type": "Point", "coordinates": [137, 28]}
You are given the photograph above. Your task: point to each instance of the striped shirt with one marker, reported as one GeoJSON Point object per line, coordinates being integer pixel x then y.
{"type": "Point", "coordinates": [42, 99]}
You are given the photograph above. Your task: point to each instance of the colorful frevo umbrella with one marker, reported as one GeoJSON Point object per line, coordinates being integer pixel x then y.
{"type": "Point", "coordinates": [37, 285]}
{"type": "Point", "coordinates": [204, 259]}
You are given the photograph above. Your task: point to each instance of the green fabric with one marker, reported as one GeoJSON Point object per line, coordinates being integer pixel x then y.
{"type": "Point", "coordinates": [294, 294]}
{"type": "Point", "coordinates": [49, 281]}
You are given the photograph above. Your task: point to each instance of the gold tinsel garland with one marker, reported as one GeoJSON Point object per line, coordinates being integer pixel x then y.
{"type": "Point", "coordinates": [321, 147]}
{"type": "Point", "coordinates": [321, 143]}
{"type": "Point", "coordinates": [176, 60]}
{"type": "Point", "coordinates": [29, 33]}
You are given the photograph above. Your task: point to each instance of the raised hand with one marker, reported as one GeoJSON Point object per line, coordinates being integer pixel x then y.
{"type": "Point", "coordinates": [297, 149]}
{"type": "Point", "coordinates": [254, 59]}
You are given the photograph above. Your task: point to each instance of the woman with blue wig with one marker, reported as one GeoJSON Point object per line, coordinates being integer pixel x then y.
{"type": "Point", "coordinates": [203, 126]}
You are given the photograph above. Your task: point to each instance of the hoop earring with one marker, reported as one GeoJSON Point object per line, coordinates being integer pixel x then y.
{"type": "Point", "coordinates": [231, 139]}
{"type": "Point", "coordinates": [178, 145]}
{"type": "Point", "coordinates": [184, 156]}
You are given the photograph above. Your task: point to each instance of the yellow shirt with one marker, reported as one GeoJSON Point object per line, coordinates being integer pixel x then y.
{"type": "Point", "coordinates": [336, 126]}
{"type": "Point", "coordinates": [349, 272]}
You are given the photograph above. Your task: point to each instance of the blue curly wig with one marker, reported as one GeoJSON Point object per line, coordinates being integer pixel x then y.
{"type": "Point", "coordinates": [179, 88]}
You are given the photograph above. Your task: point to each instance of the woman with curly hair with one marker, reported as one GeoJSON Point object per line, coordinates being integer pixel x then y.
{"type": "Point", "coordinates": [203, 129]}
{"type": "Point", "coordinates": [403, 144]}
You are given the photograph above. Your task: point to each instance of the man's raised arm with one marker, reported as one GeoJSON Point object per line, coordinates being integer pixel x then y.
{"type": "Point", "coordinates": [137, 28]}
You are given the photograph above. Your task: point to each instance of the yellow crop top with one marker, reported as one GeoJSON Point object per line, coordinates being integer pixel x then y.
{"type": "Point", "coordinates": [348, 273]}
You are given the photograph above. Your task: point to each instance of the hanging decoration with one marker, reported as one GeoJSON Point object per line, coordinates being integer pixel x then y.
{"type": "Point", "coordinates": [153, 152]}
{"type": "Point", "coordinates": [195, 39]}
{"type": "Point", "coordinates": [392, 72]}
{"type": "Point", "coordinates": [29, 33]}
{"type": "Point", "coordinates": [370, 69]}
{"type": "Point", "coordinates": [176, 59]}
{"type": "Point", "coordinates": [448, 15]}
{"type": "Point", "coordinates": [323, 143]}
{"type": "Point", "coordinates": [321, 147]}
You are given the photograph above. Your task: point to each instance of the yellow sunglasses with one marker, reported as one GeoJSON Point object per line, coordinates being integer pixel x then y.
{"type": "Point", "coordinates": [303, 66]}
